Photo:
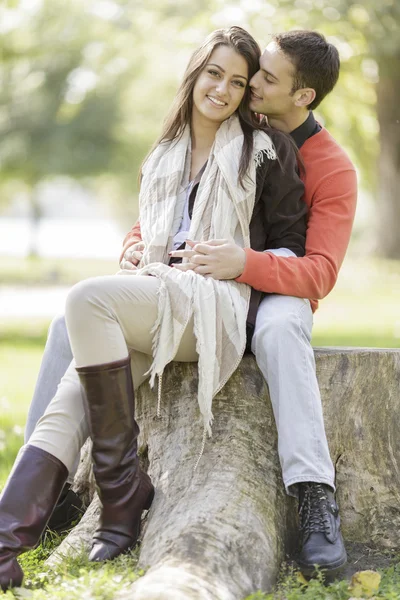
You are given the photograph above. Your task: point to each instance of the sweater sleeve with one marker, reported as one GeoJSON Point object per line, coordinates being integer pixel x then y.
{"type": "Point", "coordinates": [133, 236]}
{"type": "Point", "coordinates": [330, 222]}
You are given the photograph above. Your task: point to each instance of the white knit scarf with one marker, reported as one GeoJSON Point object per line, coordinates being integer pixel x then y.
{"type": "Point", "coordinates": [222, 210]}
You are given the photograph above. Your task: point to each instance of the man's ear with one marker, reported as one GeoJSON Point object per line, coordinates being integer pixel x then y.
{"type": "Point", "coordinates": [304, 97]}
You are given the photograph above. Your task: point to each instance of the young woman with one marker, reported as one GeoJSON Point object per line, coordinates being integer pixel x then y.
{"type": "Point", "coordinates": [212, 174]}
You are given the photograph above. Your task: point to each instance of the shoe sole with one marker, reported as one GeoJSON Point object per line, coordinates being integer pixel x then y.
{"type": "Point", "coordinates": [332, 569]}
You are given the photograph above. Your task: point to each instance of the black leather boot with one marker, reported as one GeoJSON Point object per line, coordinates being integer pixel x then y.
{"type": "Point", "coordinates": [68, 510]}
{"type": "Point", "coordinates": [26, 503]}
{"type": "Point", "coordinates": [124, 489]}
{"type": "Point", "coordinates": [321, 540]}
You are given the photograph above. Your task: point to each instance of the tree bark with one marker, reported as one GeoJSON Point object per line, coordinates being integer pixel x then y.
{"type": "Point", "coordinates": [222, 531]}
{"type": "Point", "coordinates": [388, 94]}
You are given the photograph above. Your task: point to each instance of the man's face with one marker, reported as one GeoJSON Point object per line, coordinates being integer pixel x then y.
{"type": "Point", "coordinates": [272, 85]}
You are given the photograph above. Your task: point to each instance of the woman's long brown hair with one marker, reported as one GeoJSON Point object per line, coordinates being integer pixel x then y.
{"type": "Point", "coordinates": [180, 113]}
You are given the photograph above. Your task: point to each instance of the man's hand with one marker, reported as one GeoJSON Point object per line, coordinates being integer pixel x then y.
{"type": "Point", "coordinates": [219, 259]}
{"type": "Point", "coordinates": [132, 256]}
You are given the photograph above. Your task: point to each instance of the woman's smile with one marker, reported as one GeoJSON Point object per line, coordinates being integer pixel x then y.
{"type": "Point", "coordinates": [216, 102]}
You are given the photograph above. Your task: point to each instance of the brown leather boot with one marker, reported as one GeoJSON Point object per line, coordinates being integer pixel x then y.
{"type": "Point", "coordinates": [26, 504]}
{"type": "Point", "coordinates": [124, 489]}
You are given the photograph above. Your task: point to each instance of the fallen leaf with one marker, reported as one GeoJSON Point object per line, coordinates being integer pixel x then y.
{"type": "Point", "coordinates": [301, 579]}
{"type": "Point", "coordinates": [364, 584]}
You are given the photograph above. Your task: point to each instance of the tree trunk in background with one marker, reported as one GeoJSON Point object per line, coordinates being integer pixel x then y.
{"type": "Point", "coordinates": [35, 217]}
{"type": "Point", "coordinates": [388, 108]}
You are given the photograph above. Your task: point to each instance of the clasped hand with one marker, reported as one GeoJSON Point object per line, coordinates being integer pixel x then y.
{"type": "Point", "coordinates": [132, 256]}
{"type": "Point", "coordinates": [219, 259]}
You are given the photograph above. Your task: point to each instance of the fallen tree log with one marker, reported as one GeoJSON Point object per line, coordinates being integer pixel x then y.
{"type": "Point", "coordinates": [222, 531]}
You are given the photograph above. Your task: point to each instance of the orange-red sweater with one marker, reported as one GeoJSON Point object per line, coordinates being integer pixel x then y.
{"type": "Point", "coordinates": [331, 195]}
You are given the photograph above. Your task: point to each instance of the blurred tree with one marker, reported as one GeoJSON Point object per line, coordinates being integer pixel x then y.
{"type": "Point", "coordinates": [55, 116]}
{"type": "Point", "coordinates": [84, 88]}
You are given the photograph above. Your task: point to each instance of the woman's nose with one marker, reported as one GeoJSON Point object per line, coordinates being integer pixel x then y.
{"type": "Point", "coordinates": [222, 87]}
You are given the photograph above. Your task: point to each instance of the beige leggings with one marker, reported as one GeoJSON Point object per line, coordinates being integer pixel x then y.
{"type": "Point", "coordinates": [107, 318]}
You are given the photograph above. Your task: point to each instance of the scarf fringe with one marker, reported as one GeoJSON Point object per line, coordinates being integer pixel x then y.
{"type": "Point", "coordinates": [203, 445]}
{"type": "Point", "coordinates": [259, 156]}
{"type": "Point", "coordinates": [156, 332]}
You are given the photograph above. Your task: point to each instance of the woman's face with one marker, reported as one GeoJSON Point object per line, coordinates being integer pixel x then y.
{"type": "Point", "coordinates": [221, 85]}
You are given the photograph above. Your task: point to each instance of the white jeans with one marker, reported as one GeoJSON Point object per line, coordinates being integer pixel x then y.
{"type": "Point", "coordinates": [282, 347]}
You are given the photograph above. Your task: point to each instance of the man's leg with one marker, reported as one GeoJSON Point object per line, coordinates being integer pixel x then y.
{"type": "Point", "coordinates": [282, 346]}
{"type": "Point", "coordinates": [56, 359]}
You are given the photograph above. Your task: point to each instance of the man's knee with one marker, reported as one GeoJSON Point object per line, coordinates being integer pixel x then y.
{"type": "Point", "coordinates": [58, 327]}
{"type": "Point", "coordinates": [281, 320]}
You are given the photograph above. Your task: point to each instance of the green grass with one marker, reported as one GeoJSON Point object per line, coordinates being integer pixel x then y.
{"type": "Point", "coordinates": [74, 578]}
{"type": "Point", "coordinates": [363, 308]}
{"type": "Point", "coordinates": [19, 365]}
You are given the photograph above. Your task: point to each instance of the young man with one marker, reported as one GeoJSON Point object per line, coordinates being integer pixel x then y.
{"type": "Point", "coordinates": [297, 70]}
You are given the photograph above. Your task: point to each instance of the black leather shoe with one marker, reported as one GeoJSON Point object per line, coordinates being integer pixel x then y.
{"type": "Point", "coordinates": [67, 512]}
{"type": "Point", "coordinates": [320, 538]}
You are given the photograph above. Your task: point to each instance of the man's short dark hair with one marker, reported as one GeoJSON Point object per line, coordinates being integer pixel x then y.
{"type": "Point", "coordinates": [316, 62]}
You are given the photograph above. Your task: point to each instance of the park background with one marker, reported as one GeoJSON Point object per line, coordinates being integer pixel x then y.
{"type": "Point", "coordinates": [84, 90]}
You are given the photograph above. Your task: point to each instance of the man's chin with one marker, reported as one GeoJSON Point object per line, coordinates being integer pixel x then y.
{"type": "Point", "coordinates": [256, 106]}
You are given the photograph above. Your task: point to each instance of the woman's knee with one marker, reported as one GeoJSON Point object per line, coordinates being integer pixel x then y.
{"type": "Point", "coordinates": [80, 300]}
{"type": "Point", "coordinates": [88, 299]}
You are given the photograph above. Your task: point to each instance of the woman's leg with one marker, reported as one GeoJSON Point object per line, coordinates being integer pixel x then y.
{"type": "Point", "coordinates": [105, 316]}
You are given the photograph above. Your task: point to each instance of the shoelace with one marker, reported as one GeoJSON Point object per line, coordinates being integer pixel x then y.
{"type": "Point", "coordinates": [313, 512]}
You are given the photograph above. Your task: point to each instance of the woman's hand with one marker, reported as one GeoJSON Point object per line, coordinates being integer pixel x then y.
{"type": "Point", "coordinates": [219, 259]}
{"type": "Point", "coordinates": [132, 256]}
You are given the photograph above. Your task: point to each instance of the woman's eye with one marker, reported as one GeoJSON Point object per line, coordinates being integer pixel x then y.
{"type": "Point", "coordinates": [268, 80]}
{"type": "Point", "coordinates": [239, 83]}
{"type": "Point", "coordinates": [212, 72]}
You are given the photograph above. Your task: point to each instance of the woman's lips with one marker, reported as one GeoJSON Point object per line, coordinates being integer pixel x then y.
{"type": "Point", "coordinates": [217, 103]}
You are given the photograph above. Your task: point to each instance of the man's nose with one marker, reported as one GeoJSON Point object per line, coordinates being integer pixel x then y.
{"type": "Point", "coordinates": [254, 80]}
